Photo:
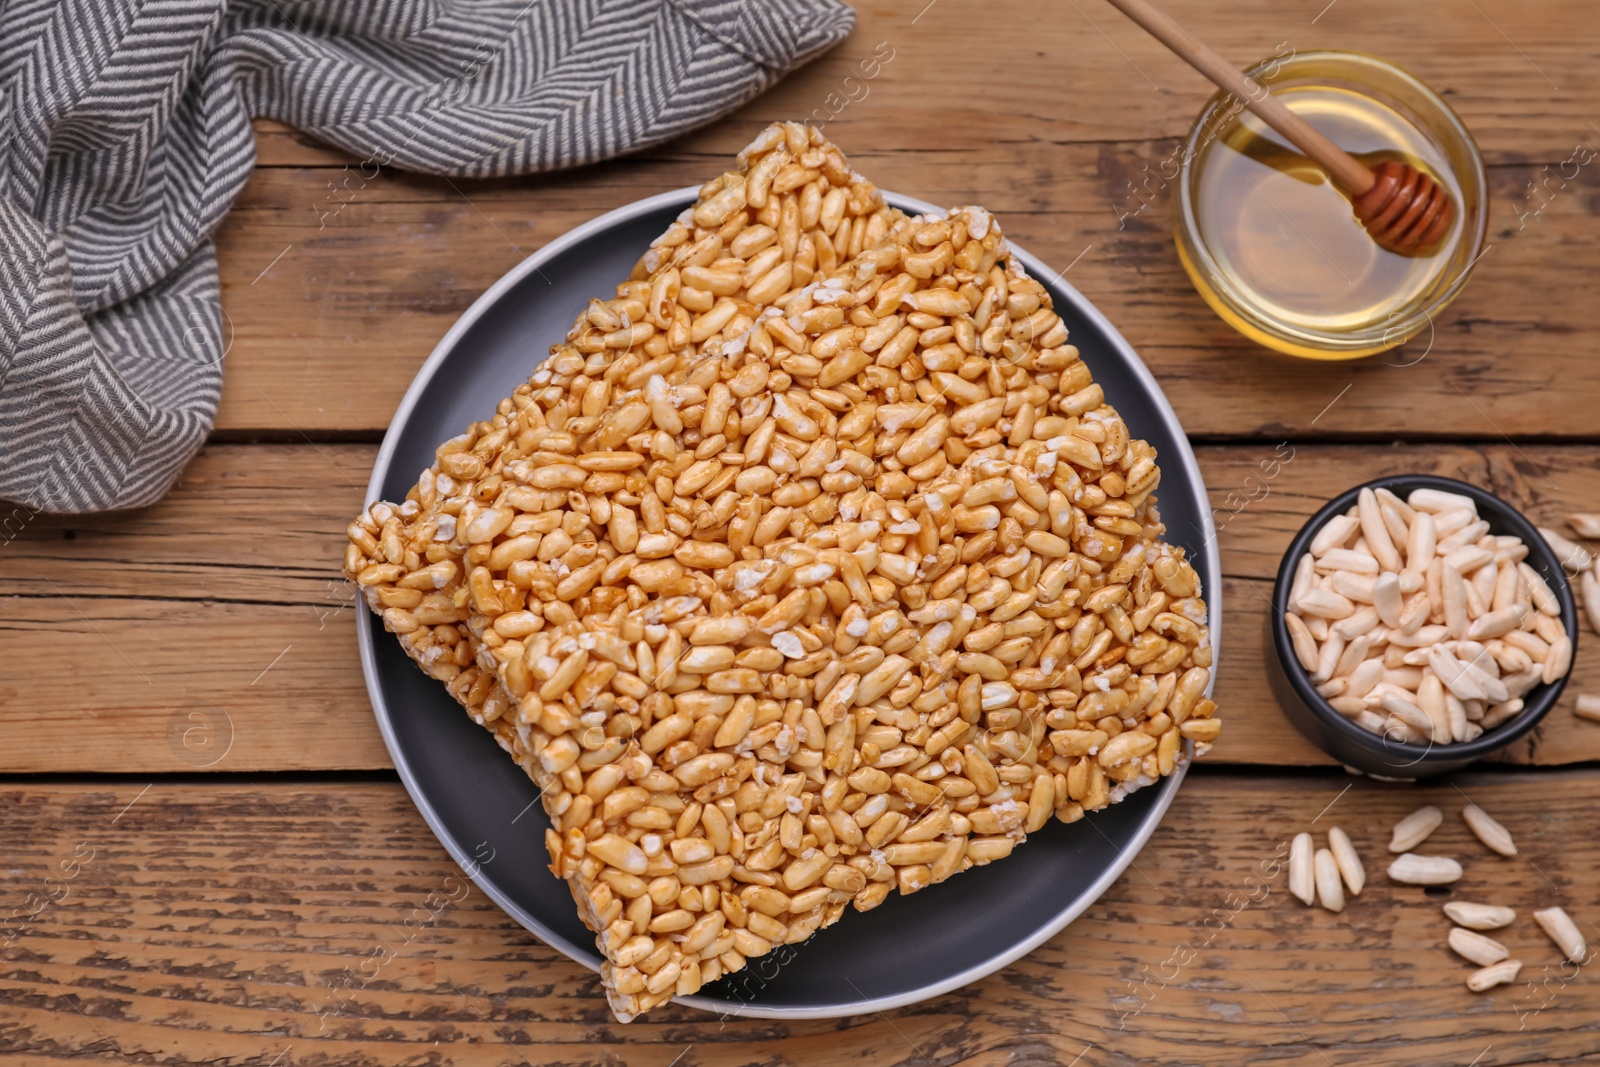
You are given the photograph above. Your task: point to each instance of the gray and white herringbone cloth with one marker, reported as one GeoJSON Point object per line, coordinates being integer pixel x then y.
{"type": "Point", "coordinates": [125, 136]}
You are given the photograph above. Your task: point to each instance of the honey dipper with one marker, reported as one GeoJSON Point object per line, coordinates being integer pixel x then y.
{"type": "Point", "coordinates": [1405, 210]}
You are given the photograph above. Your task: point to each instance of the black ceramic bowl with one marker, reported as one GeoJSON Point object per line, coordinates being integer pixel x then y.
{"type": "Point", "coordinates": [1343, 739]}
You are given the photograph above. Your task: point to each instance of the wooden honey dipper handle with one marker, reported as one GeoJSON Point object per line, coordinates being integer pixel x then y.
{"type": "Point", "coordinates": [1403, 209]}
{"type": "Point", "coordinates": [1349, 172]}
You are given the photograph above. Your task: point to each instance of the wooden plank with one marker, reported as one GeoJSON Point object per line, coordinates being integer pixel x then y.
{"type": "Point", "coordinates": [225, 599]}
{"type": "Point", "coordinates": [1008, 70]}
{"type": "Point", "coordinates": [211, 631]}
{"type": "Point", "coordinates": [185, 684]}
{"type": "Point", "coordinates": [336, 288]}
{"type": "Point", "coordinates": [300, 924]}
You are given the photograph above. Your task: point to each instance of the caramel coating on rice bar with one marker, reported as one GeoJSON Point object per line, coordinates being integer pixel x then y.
{"type": "Point", "coordinates": [842, 605]}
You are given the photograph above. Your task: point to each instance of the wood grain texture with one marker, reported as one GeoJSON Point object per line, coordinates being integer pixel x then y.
{"type": "Point", "coordinates": [245, 925]}
{"type": "Point", "coordinates": [1085, 74]}
{"type": "Point", "coordinates": [212, 630]}
{"type": "Point", "coordinates": [1059, 122]}
{"type": "Point", "coordinates": [335, 296]}
{"type": "Point", "coordinates": [186, 919]}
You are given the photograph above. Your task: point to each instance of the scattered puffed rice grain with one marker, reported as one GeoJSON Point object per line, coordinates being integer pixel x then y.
{"type": "Point", "coordinates": [1454, 588]}
{"type": "Point", "coordinates": [1370, 722]}
{"type": "Point", "coordinates": [1335, 533]}
{"type": "Point", "coordinates": [1325, 603]}
{"type": "Point", "coordinates": [1330, 889]}
{"type": "Point", "coordinates": [1305, 578]}
{"type": "Point", "coordinates": [1539, 590]}
{"type": "Point", "coordinates": [1493, 975]}
{"type": "Point", "coordinates": [1559, 661]}
{"type": "Point", "coordinates": [1564, 932]}
{"type": "Point", "coordinates": [1354, 654]}
{"type": "Point", "coordinates": [1494, 623]}
{"type": "Point", "coordinates": [1490, 832]}
{"type": "Point", "coordinates": [1386, 599]}
{"type": "Point", "coordinates": [1328, 658]}
{"type": "Point", "coordinates": [1362, 623]}
{"type": "Point", "coordinates": [1344, 854]}
{"type": "Point", "coordinates": [1411, 715]}
{"type": "Point", "coordinates": [1499, 713]}
{"type": "Point", "coordinates": [1548, 628]}
{"type": "Point", "coordinates": [1585, 525]}
{"type": "Point", "coordinates": [1449, 720]}
{"type": "Point", "coordinates": [1439, 501]}
{"type": "Point", "coordinates": [1452, 673]}
{"type": "Point", "coordinates": [1405, 512]}
{"type": "Point", "coordinates": [1399, 731]}
{"type": "Point", "coordinates": [1302, 876]}
{"type": "Point", "coordinates": [1573, 556]}
{"type": "Point", "coordinates": [1588, 707]}
{"type": "Point", "coordinates": [1424, 870]}
{"type": "Point", "coordinates": [1449, 521]}
{"type": "Point", "coordinates": [1481, 950]}
{"type": "Point", "coordinates": [1379, 543]}
{"type": "Point", "coordinates": [1347, 559]}
{"type": "Point", "coordinates": [1589, 587]}
{"type": "Point", "coordinates": [1357, 588]}
{"type": "Point", "coordinates": [1479, 916]}
{"type": "Point", "coordinates": [1305, 646]}
{"type": "Point", "coordinates": [1420, 543]}
{"type": "Point", "coordinates": [1366, 675]}
{"type": "Point", "coordinates": [1414, 829]}
{"type": "Point", "coordinates": [1398, 528]}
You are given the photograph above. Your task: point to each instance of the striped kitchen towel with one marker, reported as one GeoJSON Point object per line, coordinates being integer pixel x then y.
{"type": "Point", "coordinates": [125, 136]}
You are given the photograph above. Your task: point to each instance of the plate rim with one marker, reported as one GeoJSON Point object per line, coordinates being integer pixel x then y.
{"type": "Point", "coordinates": [1166, 791]}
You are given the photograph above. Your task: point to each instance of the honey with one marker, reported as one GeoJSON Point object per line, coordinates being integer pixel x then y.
{"type": "Point", "coordinates": [1275, 248]}
{"type": "Point", "coordinates": [1287, 235]}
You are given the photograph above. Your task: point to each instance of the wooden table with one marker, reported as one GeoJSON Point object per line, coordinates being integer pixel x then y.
{"type": "Point", "coordinates": [204, 842]}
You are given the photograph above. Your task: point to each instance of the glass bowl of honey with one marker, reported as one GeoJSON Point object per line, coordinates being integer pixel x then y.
{"type": "Point", "coordinates": [1275, 248]}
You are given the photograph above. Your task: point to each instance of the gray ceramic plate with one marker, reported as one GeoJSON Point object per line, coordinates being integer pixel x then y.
{"type": "Point", "coordinates": [476, 800]}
